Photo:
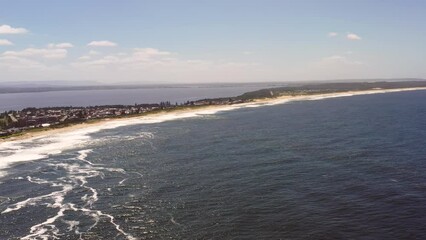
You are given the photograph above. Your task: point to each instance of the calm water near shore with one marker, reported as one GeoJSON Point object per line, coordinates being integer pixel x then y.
{"type": "Point", "coordinates": [18, 101]}
{"type": "Point", "coordinates": [340, 168]}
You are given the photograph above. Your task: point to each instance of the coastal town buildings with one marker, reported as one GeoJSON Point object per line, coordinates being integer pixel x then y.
{"type": "Point", "coordinates": [12, 122]}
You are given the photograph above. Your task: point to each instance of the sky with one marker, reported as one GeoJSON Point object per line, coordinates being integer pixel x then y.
{"type": "Point", "coordinates": [199, 41]}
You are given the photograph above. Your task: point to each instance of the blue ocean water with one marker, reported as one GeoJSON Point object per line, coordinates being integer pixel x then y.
{"type": "Point", "coordinates": [179, 94]}
{"type": "Point", "coordinates": [341, 168]}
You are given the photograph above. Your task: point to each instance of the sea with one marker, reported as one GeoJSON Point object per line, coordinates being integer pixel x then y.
{"type": "Point", "coordinates": [154, 94]}
{"type": "Point", "coordinates": [347, 167]}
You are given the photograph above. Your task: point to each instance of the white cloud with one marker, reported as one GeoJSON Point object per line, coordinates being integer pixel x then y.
{"type": "Point", "coordinates": [148, 53]}
{"type": "Point", "coordinates": [5, 42]}
{"type": "Point", "coordinates": [18, 63]}
{"type": "Point", "coordinates": [7, 29]}
{"type": "Point", "coordinates": [153, 65]}
{"type": "Point", "coordinates": [138, 56]}
{"type": "Point", "coordinates": [102, 62]}
{"type": "Point", "coordinates": [60, 45]}
{"type": "Point", "coordinates": [89, 56]}
{"type": "Point", "coordinates": [92, 52]}
{"type": "Point", "coordinates": [353, 36]}
{"type": "Point", "coordinates": [339, 59]}
{"type": "Point", "coordinates": [334, 58]}
{"type": "Point", "coordinates": [46, 53]}
{"type": "Point", "coordinates": [102, 44]}
{"type": "Point", "coordinates": [248, 53]}
{"type": "Point", "coordinates": [147, 65]}
{"type": "Point", "coordinates": [333, 34]}
{"type": "Point", "coordinates": [84, 58]}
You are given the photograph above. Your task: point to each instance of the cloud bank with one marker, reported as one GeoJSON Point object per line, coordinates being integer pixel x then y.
{"type": "Point", "coordinates": [5, 42]}
{"type": "Point", "coordinates": [60, 45]}
{"type": "Point", "coordinates": [43, 53]}
{"type": "Point", "coordinates": [103, 43]}
{"type": "Point", "coordinates": [7, 29]}
{"type": "Point", "coordinates": [353, 36]}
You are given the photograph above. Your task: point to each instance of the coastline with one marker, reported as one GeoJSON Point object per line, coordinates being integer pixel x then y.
{"type": "Point", "coordinates": [194, 111]}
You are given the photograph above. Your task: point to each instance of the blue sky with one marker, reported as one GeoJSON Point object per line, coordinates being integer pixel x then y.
{"type": "Point", "coordinates": [210, 41]}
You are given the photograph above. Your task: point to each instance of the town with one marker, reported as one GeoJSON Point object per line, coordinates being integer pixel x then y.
{"type": "Point", "coordinates": [15, 122]}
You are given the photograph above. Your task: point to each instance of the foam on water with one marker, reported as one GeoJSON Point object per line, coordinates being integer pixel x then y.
{"type": "Point", "coordinates": [41, 147]}
{"type": "Point", "coordinates": [75, 194]}
{"type": "Point", "coordinates": [78, 172]}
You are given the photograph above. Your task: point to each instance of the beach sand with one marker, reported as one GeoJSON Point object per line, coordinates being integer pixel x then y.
{"type": "Point", "coordinates": [189, 112]}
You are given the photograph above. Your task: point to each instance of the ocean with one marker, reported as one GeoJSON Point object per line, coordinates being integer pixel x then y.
{"type": "Point", "coordinates": [324, 168]}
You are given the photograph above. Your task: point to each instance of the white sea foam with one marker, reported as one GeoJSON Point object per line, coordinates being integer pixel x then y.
{"type": "Point", "coordinates": [122, 181]}
{"type": "Point", "coordinates": [56, 196]}
{"type": "Point", "coordinates": [41, 147]}
{"type": "Point", "coordinates": [78, 173]}
{"type": "Point", "coordinates": [81, 170]}
{"type": "Point", "coordinates": [83, 155]}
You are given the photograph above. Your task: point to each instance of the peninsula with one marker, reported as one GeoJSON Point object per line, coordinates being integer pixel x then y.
{"type": "Point", "coordinates": [18, 122]}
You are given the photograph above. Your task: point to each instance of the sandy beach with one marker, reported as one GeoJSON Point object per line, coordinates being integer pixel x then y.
{"type": "Point", "coordinates": [191, 112]}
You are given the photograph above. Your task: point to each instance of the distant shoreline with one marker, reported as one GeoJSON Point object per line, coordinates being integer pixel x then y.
{"type": "Point", "coordinates": [53, 86]}
{"type": "Point", "coordinates": [196, 109]}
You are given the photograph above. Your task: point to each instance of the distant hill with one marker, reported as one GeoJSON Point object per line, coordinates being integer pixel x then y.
{"type": "Point", "coordinates": [329, 88]}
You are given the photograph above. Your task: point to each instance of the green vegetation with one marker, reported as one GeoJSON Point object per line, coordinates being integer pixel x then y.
{"type": "Point", "coordinates": [166, 107]}
{"type": "Point", "coordinates": [92, 121]}
{"type": "Point", "coordinates": [328, 88]}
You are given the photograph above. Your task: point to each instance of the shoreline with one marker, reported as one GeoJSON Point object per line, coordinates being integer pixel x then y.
{"type": "Point", "coordinates": [194, 111]}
